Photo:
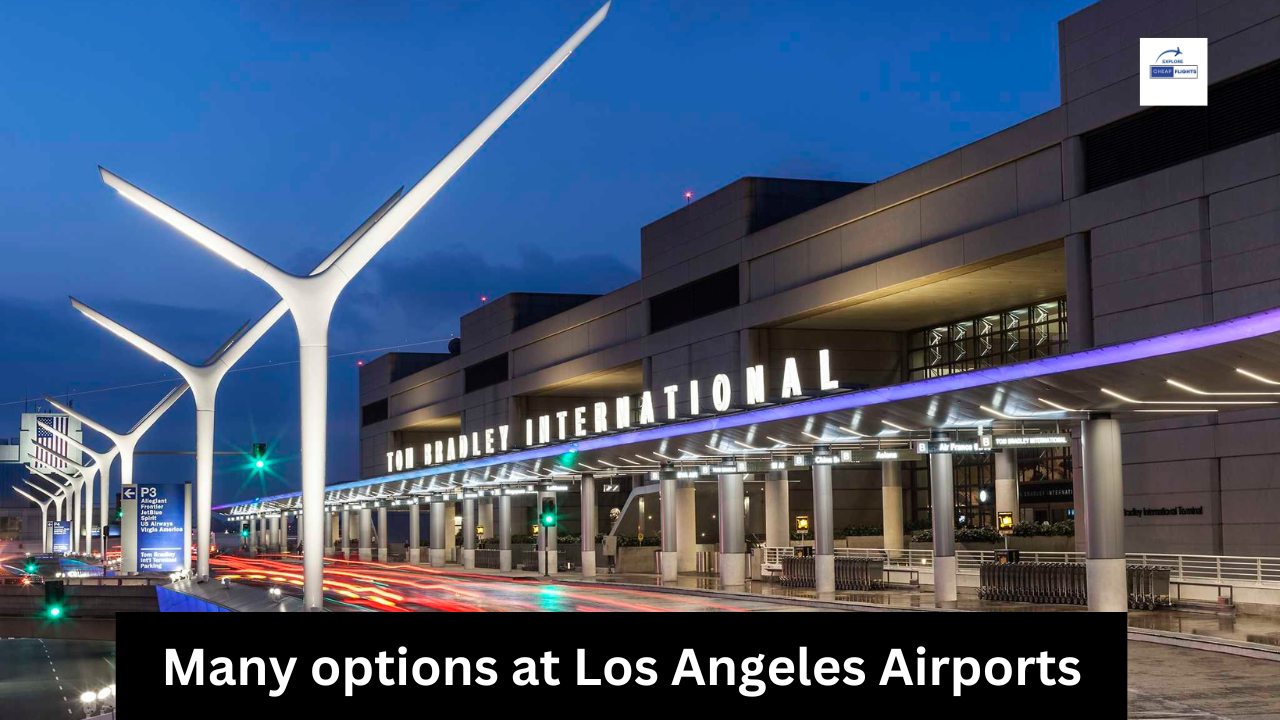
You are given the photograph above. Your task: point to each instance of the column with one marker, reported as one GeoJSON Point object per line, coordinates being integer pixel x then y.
{"type": "Point", "coordinates": [469, 534]}
{"type": "Point", "coordinates": [450, 530]}
{"type": "Point", "coordinates": [891, 505]}
{"type": "Point", "coordinates": [686, 527]}
{"type": "Point", "coordinates": [253, 537]}
{"type": "Point", "coordinates": [484, 518]}
{"type": "Point", "coordinates": [669, 510]}
{"type": "Point", "coordinates": [415, 535]}
{"type": "Point", "coordinates": [346, 534]}
{"type": "Point", "coordinates": [437, 551]}
{"type": "Point", "coordinates": [1104, 496]}
{"type": "Point", "coordinates": [504, 533]}
{"type": "Point", "coordinates": [1007, 483]}
{"type": "Point", "coordinates": [1079, 292]}
{"type": "Point", "coordinates": [382, 534]}
{"type": "Point", "coordinates": [273, 535]}
{"type": "Point", "coordinates": [943, 503]}
{"type": "Point", "coordinates": [733, 544]}
{"type": "Point", "coordinates": [366, 534]}
{"type": "Point", "coordinates": [824, 552]}
{"type": "Point", "coordinates": [587, 498]}
{"type": "Point", "coordinates": [328, 533]}
{"type": "Point", "coordinates": [777, 509]}
{"type": "Point", "coordinates": [284, 532]}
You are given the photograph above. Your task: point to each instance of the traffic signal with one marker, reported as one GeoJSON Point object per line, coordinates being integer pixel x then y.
{"type": "Point", "coordinates": [259, 457]}
{"type": "Point", "coordinates": [54, 597]}
{"type": "Point", "coordinates": [548, 512]}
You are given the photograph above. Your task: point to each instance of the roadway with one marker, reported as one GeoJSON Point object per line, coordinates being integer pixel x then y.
{"type": "Point", "coordinates": [354, 585]}
{"type": "Point", "coordinates": [1174, 682]}
{"type": "Point", "coordinates": [42, 679]}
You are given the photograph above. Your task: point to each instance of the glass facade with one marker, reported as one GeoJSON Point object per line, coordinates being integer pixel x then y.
{"type": "Point", "coordinates": [998, 338]}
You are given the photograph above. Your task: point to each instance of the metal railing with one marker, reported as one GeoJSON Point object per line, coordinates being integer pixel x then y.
{"type": "Point", "coordinates": [487, 559]}
{"type": "Point", "coordinates": [1226, 569]}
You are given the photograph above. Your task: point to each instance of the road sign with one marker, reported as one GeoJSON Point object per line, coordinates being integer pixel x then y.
{"type": "Point", "coordinates": [62, 536]}
{"type": "Point", "coordinates": [156, 528]}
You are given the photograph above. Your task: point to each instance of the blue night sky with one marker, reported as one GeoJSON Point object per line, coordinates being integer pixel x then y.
{"type": "Point", "coordinates": [283, 125]}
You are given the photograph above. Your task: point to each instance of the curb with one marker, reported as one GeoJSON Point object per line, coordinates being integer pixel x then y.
{"type": "Point", "coordinates": [1206, 643]}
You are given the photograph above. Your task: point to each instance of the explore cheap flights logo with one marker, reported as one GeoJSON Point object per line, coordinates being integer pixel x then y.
{"type": "Point", "coordinates": [1173, 71]}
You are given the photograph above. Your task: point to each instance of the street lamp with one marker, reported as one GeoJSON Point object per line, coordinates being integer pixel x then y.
{"type": "Point", "coordinates": [44, 517]}
{"type": "Point", "coordinates": [205, 379]}
{"type": "Point", "coordinates": [102, 465]}
{"type": "Point", "coordinates": [310, 299]}
{"type": "Point", "coordinates": [126, 443]}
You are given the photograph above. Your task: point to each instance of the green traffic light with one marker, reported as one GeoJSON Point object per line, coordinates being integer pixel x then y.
{"type": "Point", "coordinates": [31, 568]}
{"type": "Point", "coordinates": [259, 464]}
{"type": "Point", "coordinates": [55, 611]}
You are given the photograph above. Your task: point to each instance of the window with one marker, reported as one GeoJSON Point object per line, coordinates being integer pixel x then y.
{"type": "Point", "coordinates": [374, 412]}
{"type": "Point", "coordinates": [999, 338]}
{"type": "Point", "coordinates": [704, 296]}
{"type": "Point", "coordinates": [485, 373]}
{"type": "Point", "coordinates": [1240, 109]}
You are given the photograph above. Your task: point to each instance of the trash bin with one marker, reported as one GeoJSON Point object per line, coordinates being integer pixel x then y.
{"type": "Point", "coordinates": [1006, 556]}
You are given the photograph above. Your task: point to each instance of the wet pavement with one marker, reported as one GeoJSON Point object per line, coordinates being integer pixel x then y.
{"type": "Point", "coordinates": [1170, 682]}
{"type": "Point", "coordinates": [383, 587]}
{"type": "Point", "coordinates": [1257, 629]}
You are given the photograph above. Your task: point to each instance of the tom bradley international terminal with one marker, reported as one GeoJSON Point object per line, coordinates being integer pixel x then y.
{"type": "Point", "coordinates": [1069, 327]}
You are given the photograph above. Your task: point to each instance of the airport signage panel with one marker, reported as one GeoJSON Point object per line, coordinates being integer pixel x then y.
{"type": "Point", "coordinates": [1030, 441]}
{"type": "Point", "coordinates": [155, 527]}
{"type": "Point", "coordinates": [61, 536]}
{"type": "Point", "coordinates": [163, 538]}
{"type": "Point", "coordinates": [927, 447]}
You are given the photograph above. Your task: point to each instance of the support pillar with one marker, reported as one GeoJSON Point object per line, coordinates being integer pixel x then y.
{"type": "Point", "coordinates": [366, 534]}
{"type": "Point", "coordinates": [273, 535]}
{"type": "Point", "coordinates": [382, 534]}
{"type": "Point", "coordinates": [686, 527]}
{"type": "Point", "coordinates": [469, 534]}
{"type": "Point", "coordinates": [1079, 292]}
{"type": "Point", "coordinates": [484, 519]}
{"type": "Point", "coordinates": [777, 509]}
{"type": "Point", "coordinates": [891, 506]}
{"type": "Point", "coordinates": [451, 531]}
{"type": "Point", "coordinates": [943, 503]}
{"type": "Point", "coordinates": [346, 534]}
{"type": "Point", "coordinates": [733, 544]}
{"type": "Point", "coordinates": [668, 499]}
{"type": "Point", "coordinates": [414, 556]}
{"type": "Point", "coordinates": [1104, 495]}
{"type": "Point", "coordinates": [253, 537]}
{"type": "Point", "coordinates": [824, 553]}
{"type": "Point", "coordinates": [328, 533]}
{"type": "Point", "coordinates": [504, 533]}
{"type": "Point", "coordinates": [1007, 483]}
{"type": "Point", "coordinates": [437, 552]}
{"type": "Point", "coordinates": [587, 499]}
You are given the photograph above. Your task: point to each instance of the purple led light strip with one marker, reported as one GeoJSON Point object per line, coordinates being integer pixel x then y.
{"type": "Point", "coordinates": [1243, 328]}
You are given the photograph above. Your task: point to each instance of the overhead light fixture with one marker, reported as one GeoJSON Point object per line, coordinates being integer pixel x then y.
{"type": "Point", "coordinates": [1118, 396]}
{"type": "Point", "coordinates": [896, 427]}
{"type": "Point", "coordinates": [1188, 388]}
{"type": "Point", "coordinates": [776, 440]}
{"type": "Point", "coordinates": [850, 431]}
{"type": "Point", "coordinates": [1257, 377]}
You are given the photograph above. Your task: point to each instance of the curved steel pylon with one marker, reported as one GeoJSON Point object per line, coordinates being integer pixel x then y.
{"type": "Point", "coordinates": [44, 516]}
{"type": "Point", "coordinates": [82, 482]}
{"type": "Point", "coordinates": [102, 465]}
{"type": "Point", "coordinates": [311, 298]}
{"type": "Point", "coordinates": [206, 378]}
{"type": "Point", "coordinates": [126, 443]}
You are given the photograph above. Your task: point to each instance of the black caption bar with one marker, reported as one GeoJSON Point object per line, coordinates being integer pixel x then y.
{"type": "Point", "coordinates": [1048, 664]}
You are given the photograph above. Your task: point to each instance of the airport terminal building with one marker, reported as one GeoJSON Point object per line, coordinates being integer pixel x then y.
{"type": "Point", "coordinates": [1083, 227]}
{"type": "Point", "coordinates": [1074, 321]}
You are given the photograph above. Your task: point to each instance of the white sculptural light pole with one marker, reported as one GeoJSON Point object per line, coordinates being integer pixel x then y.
{"type": "Point", "coordinates": [311, 298]}
{"type": "Point", "coordinates": [44, 517]}
{"type": "Point", "coordinates": [55, 498]}
{"type": "Point", "coordinates": [82, 481]}
{"type": "Point", "coordinates": [126, 443]}
{"type": "Point", "coordinates": [205, 379]}
{"type": "Point", "coordinates": [76, 483]}
{"type": "Point", "coordinates": [102, 465]}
